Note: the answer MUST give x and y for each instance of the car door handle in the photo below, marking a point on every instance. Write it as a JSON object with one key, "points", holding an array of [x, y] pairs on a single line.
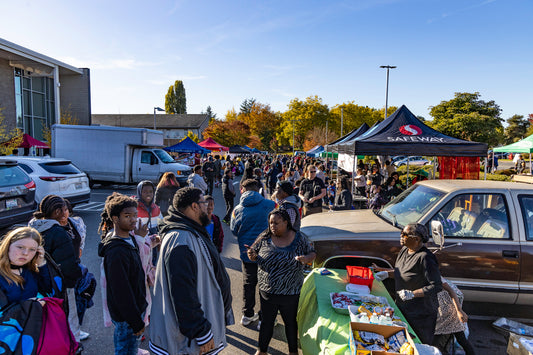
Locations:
{"points": [[510, 254]]}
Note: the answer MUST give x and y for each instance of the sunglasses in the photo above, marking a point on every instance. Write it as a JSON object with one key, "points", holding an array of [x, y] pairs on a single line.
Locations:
{"points": [[407, 235]]}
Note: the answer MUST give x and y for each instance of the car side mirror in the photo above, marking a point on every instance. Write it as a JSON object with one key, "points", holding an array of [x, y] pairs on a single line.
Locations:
{"points": [[437, 233]]}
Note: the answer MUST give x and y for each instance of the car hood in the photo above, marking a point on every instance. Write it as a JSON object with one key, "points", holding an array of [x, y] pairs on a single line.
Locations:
{"points": [[347, 225]]}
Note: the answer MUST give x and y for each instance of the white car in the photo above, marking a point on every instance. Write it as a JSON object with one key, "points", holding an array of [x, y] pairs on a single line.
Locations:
{"points": [[56, 176], [414, 160]]}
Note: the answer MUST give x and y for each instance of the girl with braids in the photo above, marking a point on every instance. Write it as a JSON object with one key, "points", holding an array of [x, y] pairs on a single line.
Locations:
{"points": [[281, 253], [126, 255], [23, 269], [59, 244]]}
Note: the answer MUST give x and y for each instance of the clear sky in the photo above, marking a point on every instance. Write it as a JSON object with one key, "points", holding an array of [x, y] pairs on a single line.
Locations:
{"points": [[226, 51]]}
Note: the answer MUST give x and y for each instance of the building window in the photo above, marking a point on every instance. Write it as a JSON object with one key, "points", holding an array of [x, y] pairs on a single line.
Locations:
{"points": [[34, 102]]}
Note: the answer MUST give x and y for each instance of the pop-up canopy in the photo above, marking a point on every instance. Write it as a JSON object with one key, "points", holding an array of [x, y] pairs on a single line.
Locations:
{"points": [[403, 133], [187, 145], [333, 146], [522, 146], [210, 144]]}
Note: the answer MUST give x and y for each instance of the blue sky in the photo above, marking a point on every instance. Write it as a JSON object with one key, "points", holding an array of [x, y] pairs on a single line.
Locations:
{"points": [[275, 51]]}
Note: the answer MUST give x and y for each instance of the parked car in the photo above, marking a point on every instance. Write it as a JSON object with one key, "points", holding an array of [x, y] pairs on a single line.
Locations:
{"points": [[397, 157], [414, 160], [56, 176], [17, 194], [487, 227]]}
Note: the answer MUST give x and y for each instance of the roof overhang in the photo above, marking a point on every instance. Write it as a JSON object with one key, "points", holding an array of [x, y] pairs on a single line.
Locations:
{"points": [[26, 59]]}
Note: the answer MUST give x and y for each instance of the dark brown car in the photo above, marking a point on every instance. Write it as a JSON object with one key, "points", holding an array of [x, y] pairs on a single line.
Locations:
{"points": [[487, 225]]}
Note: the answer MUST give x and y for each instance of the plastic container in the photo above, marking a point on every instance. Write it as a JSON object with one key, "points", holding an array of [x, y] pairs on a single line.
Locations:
{"points": [[374, 319], [360, 276]]}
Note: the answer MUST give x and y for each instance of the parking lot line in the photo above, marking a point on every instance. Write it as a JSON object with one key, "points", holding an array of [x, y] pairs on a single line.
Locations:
{"points": [[90, 207]]}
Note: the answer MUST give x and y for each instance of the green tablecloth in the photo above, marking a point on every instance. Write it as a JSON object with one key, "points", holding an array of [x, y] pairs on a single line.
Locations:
{"points": [[320, 328]]}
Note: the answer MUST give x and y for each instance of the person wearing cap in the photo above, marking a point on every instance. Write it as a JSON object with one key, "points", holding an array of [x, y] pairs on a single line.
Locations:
{"points": [[312, 189], [289, 201], [417, 281]]}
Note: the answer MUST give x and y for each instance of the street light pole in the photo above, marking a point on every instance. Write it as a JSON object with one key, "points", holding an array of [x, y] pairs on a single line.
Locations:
{"points": [[387, 90], [157, 109], [292, 121]]}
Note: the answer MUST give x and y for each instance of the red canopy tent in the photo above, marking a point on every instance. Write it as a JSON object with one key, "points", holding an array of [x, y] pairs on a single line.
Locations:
{"points": [[28, 142], [210, 144]]}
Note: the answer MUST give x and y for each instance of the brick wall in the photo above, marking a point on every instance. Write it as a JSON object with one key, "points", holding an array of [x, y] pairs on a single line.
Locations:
{"points": [[76, 96], [7, 94]]}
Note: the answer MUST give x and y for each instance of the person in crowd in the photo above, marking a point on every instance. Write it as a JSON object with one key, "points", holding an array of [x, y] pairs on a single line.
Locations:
{"points": [[249, 219], [343, 199], [218, 170], [281, 253], [376, 178], [196, 179], [289, 201], [312, 189], [360, 182], [272, 177], [23, 269], [320, 171], [125, 283], [214, 228], [389, 168], [64, 248], [209, 170], [248, 170], [451, 320], [331, 191], [520, 164], [164, 193], [228, 192], [258, 175], [192, 292], [417, 281], [390, 188]]}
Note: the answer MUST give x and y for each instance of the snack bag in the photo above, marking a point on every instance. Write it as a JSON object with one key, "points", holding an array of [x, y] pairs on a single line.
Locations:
{"points": [[396, 341], [407, 349]]}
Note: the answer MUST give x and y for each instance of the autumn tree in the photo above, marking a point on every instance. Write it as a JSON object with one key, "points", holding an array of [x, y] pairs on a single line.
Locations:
{"points": [[10, 138], [175, 100], [354, 116], [65, 117], [303, 116], [193, 136], [228, 133], [317, 136], [468, 117], [263, 123], [517, 129]]}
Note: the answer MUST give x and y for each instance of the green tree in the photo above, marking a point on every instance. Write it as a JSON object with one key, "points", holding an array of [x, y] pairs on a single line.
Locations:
{"points": [[246, 105], [175, 100], [209, 112], [517, 129], [263, 123], [354, 116], [468, 117], [303, 116]]}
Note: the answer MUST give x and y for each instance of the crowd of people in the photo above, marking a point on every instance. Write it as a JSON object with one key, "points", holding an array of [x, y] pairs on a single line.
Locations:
{"points": [[161, 263]]}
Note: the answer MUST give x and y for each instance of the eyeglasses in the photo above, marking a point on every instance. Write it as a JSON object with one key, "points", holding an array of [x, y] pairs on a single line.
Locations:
{"points": [[202, 202], [312, 171]]}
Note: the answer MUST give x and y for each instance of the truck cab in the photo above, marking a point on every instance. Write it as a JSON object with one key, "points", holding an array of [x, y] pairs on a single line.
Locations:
{"points": [[151, 164]]}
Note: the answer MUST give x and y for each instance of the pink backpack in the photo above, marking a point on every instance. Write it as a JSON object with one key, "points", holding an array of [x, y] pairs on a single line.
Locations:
{"points": [[56, 337]]}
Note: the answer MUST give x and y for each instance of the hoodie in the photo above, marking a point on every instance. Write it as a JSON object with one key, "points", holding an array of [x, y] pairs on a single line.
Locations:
{"points": [[58, 243], [126, 287], [249, 219], [148, 214]]}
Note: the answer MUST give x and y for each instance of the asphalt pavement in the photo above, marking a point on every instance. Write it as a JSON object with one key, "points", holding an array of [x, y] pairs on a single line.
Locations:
{"points": [[243, 340]]}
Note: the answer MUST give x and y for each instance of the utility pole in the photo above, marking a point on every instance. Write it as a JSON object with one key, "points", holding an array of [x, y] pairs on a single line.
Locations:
{"points": [[342, 119], [387, 90], [292, 121]]}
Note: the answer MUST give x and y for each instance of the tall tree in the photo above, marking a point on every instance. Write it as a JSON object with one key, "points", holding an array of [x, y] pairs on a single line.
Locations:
{"points": [[517, 128], [263, 123], [303, 116], [209, 112], [468, 117], [354, 116], [175, 100], [246, 105], [228, 133]]}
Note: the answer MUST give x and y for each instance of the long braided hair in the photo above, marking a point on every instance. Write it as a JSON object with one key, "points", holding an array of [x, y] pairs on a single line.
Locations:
{"points": [[114, 204], [49, 204]]}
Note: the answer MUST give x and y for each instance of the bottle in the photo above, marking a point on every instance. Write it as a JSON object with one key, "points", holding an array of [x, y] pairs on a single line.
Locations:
{"points": [[364, 318], [387, 320], [374, 319]]}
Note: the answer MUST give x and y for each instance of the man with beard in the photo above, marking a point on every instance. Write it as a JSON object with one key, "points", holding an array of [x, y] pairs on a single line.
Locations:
{"points": [[191, 304]]}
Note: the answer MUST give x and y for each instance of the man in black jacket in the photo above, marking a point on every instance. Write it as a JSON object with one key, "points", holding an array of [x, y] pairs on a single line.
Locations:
{"points": [[126, 283], [228, 191]]}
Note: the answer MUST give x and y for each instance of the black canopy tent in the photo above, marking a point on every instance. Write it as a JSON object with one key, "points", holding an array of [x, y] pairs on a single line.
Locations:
{"points": [[237, 149], [333, 146], [403, 133]]}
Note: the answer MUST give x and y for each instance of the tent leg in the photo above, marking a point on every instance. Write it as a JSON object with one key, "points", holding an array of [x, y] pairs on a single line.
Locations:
{"points": [[434, 167], [407, 180]]}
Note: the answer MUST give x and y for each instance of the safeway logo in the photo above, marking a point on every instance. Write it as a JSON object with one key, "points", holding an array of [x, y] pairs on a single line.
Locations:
{"points": [[410, 130]]}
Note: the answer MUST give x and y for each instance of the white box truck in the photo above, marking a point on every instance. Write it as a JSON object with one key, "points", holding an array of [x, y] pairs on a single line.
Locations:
{"points": [[120, 155]]}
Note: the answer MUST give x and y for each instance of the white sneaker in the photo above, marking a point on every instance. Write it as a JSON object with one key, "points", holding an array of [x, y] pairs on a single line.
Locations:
{"points": [[247, 320], [83, 335]]}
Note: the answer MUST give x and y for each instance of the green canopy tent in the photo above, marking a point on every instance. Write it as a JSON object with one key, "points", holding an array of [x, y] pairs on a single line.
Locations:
{"points": [[522, 146]]}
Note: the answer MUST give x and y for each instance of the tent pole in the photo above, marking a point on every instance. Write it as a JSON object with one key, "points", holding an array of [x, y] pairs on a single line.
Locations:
{"points": [[407, 180], [485, 169], [353, 171], [529, 163], [434, 167]]}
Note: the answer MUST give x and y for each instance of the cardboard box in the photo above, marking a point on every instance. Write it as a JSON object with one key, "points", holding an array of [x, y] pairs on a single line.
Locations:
{"points": [[385, 330], [517, 347]]}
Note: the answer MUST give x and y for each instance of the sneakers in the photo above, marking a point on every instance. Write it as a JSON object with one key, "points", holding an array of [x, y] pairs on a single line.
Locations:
{"points": [[225, 221], [83, 335], [247, 320]]}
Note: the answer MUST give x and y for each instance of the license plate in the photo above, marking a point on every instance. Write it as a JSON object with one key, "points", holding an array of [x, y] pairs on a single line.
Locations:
{"points": [[78, 185], [12, 203]]}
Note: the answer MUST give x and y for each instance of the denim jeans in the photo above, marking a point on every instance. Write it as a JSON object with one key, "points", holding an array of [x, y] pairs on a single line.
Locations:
{"points": [[125, 342]]}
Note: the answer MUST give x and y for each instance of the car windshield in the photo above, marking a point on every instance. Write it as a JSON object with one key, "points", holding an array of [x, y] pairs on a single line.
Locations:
{"points": [[410, 205], [163, 156], [60, 167]]}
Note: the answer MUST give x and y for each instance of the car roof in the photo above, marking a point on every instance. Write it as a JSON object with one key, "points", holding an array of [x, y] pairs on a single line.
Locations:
{"points": [[455, 185], [8, 162], [40, 159]]}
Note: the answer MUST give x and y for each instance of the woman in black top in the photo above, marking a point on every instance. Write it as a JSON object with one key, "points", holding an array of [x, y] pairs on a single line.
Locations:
{"points": [[281, 254], [417, 280], [164, 193]]}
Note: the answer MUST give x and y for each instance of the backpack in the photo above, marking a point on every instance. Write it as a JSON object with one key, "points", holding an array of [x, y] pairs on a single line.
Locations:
{"points": [[56, 337], [20, 328]]}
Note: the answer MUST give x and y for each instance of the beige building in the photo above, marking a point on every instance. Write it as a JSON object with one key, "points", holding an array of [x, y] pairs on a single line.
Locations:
{"points": [[35, 89], [174, 127]]}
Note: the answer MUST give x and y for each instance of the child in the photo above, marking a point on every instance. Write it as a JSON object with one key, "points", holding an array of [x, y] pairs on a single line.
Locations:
{"points": [[331, 194], [125, 293], [148, 212], [214, 228]]}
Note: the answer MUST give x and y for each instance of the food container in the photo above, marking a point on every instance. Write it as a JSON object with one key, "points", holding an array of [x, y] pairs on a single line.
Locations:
{"points": [[341, 300], [360, 276]]}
